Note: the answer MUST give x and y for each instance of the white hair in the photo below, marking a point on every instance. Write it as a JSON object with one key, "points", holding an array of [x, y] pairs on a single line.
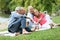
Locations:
{"points": [[17, 8], [29, 7]]}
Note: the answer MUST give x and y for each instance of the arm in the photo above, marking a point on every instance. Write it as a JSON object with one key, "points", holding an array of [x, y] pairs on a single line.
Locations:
{"points": [[41, 17], [39, 20], [31, 19]]}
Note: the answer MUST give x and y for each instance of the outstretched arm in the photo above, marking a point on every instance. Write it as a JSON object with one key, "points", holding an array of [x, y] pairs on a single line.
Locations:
{"points": [[31, 19]]}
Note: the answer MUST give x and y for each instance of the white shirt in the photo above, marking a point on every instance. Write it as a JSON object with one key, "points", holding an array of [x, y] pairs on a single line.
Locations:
{"points": [[28, 20], [13, 16], [48, 18]]}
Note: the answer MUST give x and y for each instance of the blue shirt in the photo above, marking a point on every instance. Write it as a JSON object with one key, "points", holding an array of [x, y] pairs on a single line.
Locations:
{"points": [[13, 17]]}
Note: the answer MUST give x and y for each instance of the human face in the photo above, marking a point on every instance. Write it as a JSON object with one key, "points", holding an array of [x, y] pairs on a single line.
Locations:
{"points": [[36, 13], [22, 11], [31, 10]]}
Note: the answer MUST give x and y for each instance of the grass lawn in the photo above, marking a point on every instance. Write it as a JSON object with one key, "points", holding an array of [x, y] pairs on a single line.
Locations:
{"points": [[4, 15], [51, 34], [56, 19]]}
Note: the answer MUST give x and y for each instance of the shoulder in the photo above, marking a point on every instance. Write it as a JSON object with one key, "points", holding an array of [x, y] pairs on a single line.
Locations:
{"points": [[29, 14], [42, 14], [13, 13]]}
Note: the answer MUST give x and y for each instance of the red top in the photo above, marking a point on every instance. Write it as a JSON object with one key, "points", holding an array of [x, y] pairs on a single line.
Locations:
{"points": [[42, 21]]}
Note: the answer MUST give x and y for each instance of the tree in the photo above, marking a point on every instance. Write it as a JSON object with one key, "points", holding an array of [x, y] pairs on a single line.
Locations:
{"points": [[41, 5], [4, 6]]}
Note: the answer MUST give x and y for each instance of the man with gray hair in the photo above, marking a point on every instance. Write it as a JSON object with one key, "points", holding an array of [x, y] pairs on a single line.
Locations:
{"points": [[17, 21], [30, 14]]}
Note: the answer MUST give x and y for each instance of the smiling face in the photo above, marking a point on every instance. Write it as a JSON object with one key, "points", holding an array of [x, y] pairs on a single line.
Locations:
{"points": [[36, 13], [21, 10], [30, 9]]}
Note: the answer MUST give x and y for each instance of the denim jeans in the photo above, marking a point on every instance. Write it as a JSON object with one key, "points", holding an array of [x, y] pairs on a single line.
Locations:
{"points": [[17, 25]]}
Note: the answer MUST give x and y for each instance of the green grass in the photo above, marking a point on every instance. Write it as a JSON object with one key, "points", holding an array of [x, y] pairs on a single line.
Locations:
{"points": [[4, 15], [51, 34], [56, 19], [3, 29]]}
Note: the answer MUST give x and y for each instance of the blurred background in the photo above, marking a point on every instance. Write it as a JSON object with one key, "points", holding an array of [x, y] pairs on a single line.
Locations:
{"points": [[6, 6]]}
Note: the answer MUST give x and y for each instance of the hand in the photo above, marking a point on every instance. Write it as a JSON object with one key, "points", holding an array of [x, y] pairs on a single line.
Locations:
{"points": [[27, 17], [37, 23], [30, 19], [34, 22]]}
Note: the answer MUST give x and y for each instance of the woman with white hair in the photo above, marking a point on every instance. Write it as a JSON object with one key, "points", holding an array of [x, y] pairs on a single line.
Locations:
{"points": [[17, 21]]}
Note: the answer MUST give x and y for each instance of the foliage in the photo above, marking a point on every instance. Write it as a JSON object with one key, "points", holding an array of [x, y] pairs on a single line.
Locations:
{"points": [[41, 5]]}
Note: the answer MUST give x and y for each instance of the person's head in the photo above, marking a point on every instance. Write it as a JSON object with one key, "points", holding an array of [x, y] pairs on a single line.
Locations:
{"points": [[36, 13], [30, 9], [20, 10]]}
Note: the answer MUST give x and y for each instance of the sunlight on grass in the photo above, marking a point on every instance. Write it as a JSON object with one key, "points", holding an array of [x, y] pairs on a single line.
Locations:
{"points": [[56, 19], [51, 34]]}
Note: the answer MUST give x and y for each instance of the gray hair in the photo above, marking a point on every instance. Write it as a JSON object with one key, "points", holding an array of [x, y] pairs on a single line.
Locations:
{"points": [[29, 7], [17, 8]]}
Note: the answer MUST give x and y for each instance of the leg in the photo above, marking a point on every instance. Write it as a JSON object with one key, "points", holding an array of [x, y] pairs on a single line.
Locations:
{"points": [[23, 25], [15, 26], [58, 25], [29, 28]]}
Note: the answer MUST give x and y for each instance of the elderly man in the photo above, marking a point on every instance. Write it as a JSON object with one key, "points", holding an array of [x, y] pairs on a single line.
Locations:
{"points": [[18, 21], [30, 21]]}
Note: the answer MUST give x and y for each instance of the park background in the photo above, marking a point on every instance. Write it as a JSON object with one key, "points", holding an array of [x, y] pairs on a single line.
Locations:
{"points": [[51, 6]]}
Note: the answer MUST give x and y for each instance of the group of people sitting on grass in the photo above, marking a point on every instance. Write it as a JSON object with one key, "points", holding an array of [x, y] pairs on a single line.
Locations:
{"points": [[22, 22]]}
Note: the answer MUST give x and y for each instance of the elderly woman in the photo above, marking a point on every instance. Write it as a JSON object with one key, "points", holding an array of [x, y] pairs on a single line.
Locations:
{"points": [[17, 21]]}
